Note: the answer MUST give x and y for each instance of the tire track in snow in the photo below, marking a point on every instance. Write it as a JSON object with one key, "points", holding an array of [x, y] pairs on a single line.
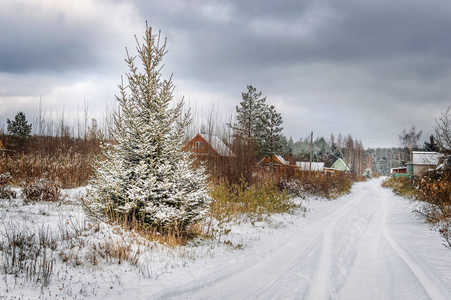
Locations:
{"points": [[337, 256], [429, 285], [394, 268], [361, 277]]}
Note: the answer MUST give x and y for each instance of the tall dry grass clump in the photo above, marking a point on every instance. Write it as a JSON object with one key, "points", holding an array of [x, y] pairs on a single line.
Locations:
{"points": [[321, 184], [70, 169], [232, 201], [67, 161]]}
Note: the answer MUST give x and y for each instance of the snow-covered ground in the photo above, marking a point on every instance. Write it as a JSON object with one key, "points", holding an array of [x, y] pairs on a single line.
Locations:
{"points": [[366, 245]]}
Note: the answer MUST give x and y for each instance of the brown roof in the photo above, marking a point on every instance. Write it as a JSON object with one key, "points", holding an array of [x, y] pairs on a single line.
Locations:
{"points": [[215, 145]]}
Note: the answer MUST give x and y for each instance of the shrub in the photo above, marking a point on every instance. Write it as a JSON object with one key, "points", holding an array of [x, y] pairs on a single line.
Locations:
{"points": [[5, 189], [233, 201], [42, 190], [402, 186], [327, 185]]}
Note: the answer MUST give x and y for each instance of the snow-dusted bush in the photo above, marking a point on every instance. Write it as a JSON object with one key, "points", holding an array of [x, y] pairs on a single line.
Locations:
{"points": [[145, 176], [320, 184], [293, 187], [5, 189], [43, 189]]}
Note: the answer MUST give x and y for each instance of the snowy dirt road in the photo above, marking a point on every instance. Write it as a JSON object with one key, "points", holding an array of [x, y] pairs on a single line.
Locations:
{"points": [[366, 245]]}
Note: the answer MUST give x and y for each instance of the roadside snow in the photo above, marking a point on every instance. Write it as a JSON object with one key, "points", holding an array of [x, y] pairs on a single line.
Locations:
{"points": [[366, 245]]}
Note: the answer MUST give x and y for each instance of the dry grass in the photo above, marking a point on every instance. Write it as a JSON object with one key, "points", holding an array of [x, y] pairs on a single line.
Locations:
{"points": [[63, 159], [402, 186], [71, 169], [326, 185], [231, 201], [28, 253], [171, 237]]}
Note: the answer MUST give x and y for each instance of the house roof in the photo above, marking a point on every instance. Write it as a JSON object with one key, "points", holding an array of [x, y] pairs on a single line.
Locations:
{"points": [[338, 161], [426, 158], [282, 160], [274, 159], [305, 165], [217, 144]]}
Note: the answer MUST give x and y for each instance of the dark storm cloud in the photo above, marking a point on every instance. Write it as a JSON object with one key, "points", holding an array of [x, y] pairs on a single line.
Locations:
{"points": [[50, 38]]}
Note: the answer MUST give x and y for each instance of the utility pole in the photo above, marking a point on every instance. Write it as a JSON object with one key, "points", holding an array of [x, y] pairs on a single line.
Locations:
{"points": [[311, 149]]}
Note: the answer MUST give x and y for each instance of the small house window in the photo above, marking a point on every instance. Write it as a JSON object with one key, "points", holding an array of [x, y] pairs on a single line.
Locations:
{"points": [[198, 145]]}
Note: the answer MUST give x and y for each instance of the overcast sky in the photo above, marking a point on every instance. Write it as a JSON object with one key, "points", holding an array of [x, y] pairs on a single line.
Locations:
{"points": [[365, 68]]}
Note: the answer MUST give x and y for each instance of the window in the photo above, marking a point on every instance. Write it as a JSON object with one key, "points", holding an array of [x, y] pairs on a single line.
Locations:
{"points": [[198, 145]]}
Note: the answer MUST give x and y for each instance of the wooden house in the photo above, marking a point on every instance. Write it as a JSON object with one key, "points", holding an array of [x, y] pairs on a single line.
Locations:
{"points": [[276, 163], [338, 165], [204, 145], [424, 161], [273, 160]]}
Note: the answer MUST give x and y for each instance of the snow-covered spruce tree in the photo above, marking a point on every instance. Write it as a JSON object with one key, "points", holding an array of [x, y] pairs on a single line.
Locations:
{"points": [[144, 175]]}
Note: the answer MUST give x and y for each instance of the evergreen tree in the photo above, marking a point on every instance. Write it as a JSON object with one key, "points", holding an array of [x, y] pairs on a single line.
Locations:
{"points": [[269, 133], [287, 146], [249, 115], [145, 176], [431, 146], [19, 127]]}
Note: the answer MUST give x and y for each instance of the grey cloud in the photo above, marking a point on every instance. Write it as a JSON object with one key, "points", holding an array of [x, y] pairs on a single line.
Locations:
{"points": [[50, 42], [354, 32]]}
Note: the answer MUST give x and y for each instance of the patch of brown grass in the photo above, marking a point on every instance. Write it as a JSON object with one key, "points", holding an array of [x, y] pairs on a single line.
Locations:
{"points": [[232, 200], [71, 169]]}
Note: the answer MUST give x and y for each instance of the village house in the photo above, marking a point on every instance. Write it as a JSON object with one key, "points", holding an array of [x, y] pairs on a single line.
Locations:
{"points": [[423, 162], [275, 162], [278, 162], [338, 165], [204, 145], [399, 170]]}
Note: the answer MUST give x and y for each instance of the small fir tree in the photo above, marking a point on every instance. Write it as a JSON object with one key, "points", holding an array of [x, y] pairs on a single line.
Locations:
{"points": [[19, 127], [145, 176]]}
